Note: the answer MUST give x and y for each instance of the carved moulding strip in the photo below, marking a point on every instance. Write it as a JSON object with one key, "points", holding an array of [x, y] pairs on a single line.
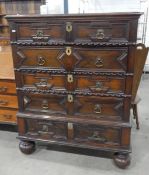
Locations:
{"points": [[64, 92], [63, 43], [60, 71]]}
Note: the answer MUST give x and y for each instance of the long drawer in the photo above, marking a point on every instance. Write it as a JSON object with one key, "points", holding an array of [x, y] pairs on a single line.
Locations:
{"points": [[98, 84], [8, 101], [69, 58], [92, 29], [83, 107], [74, 133], [8, 116]]}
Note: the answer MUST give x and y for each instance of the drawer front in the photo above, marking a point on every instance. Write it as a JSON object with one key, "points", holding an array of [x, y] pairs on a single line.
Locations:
{"points": [[8, 101], [46, 130], [98, 107], [98, 31], [101, 84], [70, 58], [102, 59], [94, 135], [43, 81], [40, 32], [8, 116], [49, 104], [37, 57], [7, 87]]}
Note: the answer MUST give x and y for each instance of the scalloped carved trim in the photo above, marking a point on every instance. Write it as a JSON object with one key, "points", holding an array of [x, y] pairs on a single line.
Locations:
{"points": [[51, 71], [81, 43], [64, 92]]}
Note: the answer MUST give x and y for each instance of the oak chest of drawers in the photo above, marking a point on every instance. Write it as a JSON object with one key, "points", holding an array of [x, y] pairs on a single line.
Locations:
{"points": [[74, 78]]}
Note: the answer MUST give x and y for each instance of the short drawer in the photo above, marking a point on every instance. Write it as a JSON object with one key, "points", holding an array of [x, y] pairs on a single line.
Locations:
{"points": [[100, 84], [44, 129], [37, 57], [101, 31], [43, 81], [7, 87], [40, 31], [96, 135], [8, 101], [49, 104], [103, 108], [102, 59], [8, 116]]}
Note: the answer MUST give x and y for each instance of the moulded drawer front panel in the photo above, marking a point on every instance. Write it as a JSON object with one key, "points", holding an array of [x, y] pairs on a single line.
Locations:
{"points": [[95, 135], [49, 104], [106, 108], [101, 84], [102, 59], [46, 130], [43, 31], [44, 81], [101, 31]]}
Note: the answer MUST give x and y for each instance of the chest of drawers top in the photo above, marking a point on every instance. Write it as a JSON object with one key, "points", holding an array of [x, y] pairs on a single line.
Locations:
{"points": [[87, 29]]}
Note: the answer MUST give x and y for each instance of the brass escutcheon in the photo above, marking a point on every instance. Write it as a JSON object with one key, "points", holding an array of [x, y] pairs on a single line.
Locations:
{"points": [[70, 98], [68, 26], [70, 78], [70, 126], [68, 51]]}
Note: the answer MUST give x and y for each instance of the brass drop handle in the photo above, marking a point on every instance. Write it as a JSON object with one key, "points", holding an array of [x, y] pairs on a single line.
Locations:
{"points": [[44, 129], [97, 137], [45, 105], [42, 83], [41, 61], [100, 34], [97, 109], [39, 33], [3, 102], [70, 78], [7, 116], [3, 89], [99, 62], [68, 26]]}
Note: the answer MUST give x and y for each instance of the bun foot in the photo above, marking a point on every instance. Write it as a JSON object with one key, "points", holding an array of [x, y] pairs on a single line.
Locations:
{"points": [[27, 147], [122, 160]]}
